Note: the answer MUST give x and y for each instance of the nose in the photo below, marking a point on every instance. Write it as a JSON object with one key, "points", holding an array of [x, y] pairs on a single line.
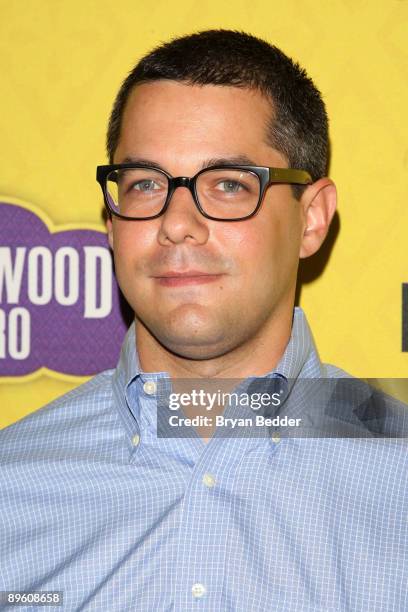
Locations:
{"points": [[182, 221]]}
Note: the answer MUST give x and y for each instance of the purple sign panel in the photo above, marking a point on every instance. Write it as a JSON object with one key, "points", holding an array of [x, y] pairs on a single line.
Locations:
{"points": [[60, 306]]}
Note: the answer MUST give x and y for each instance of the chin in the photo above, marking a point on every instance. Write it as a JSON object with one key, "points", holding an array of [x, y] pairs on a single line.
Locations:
{"points": [[192, 331], [203, 341], [189, 321], [194, 353], [192, 345]]}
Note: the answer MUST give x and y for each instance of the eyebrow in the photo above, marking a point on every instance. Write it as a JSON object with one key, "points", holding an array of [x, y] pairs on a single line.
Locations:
{"points": [[236, 160]]}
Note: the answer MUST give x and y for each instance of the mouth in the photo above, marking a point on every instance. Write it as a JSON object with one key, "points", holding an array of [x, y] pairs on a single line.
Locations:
{"points": [[189, 277]]}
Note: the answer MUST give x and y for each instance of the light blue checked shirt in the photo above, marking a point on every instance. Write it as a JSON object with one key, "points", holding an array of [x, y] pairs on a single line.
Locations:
{"points": [[94, 504]]}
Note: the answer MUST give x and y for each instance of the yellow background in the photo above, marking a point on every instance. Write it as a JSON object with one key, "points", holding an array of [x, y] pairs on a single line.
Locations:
{"points": [[62, 63]]}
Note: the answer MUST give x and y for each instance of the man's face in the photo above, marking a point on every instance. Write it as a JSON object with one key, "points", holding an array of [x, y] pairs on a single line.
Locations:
{"points": [[250, 265]]}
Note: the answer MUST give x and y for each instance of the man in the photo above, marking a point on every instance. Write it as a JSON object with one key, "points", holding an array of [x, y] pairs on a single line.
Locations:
{"points": [[216, 187]]}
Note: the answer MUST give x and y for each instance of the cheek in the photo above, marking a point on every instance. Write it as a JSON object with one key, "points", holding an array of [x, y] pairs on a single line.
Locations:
{"points": [[253, 263], [258, 248], [130, 243], [268, 254], [130, 248]]}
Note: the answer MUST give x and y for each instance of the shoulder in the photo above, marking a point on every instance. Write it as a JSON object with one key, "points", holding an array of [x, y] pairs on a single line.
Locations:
{"points": [[360, 408], [331, 371], [61, 422]]}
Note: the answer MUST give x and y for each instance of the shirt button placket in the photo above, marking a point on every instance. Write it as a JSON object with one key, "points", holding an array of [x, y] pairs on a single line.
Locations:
{"points": [[201, 571]]}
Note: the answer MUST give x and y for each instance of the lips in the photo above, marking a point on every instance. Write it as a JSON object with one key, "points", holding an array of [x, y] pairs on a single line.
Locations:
{"points": [[174, 278], [178, 274]]}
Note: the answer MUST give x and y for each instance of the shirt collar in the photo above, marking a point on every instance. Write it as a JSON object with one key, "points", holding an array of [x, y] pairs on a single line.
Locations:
{"points": [[300, 359]]}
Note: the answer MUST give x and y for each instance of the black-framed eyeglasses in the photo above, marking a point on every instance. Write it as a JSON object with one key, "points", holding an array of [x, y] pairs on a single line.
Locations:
{"points": [[221, 193]]}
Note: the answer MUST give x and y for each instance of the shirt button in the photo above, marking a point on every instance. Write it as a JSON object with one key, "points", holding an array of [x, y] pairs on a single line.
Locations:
{"points": [[135, 439], [208, 480], [149, 387], [198, 589], [275, 437]]}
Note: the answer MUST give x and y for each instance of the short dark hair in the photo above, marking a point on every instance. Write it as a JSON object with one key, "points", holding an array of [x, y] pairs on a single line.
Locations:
{"points": [[299, 124]]}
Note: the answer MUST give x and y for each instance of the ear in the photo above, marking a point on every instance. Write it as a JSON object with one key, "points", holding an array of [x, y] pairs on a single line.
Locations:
{"points": [[319, 202], [109, 227]]}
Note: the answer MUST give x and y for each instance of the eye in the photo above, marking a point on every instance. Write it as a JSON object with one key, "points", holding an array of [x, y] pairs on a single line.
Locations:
{"points": [[145, 185], [230, 186]]}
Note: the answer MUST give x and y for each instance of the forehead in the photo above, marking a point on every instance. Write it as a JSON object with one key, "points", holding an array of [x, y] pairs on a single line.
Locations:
{"points": [[174, 119]]}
